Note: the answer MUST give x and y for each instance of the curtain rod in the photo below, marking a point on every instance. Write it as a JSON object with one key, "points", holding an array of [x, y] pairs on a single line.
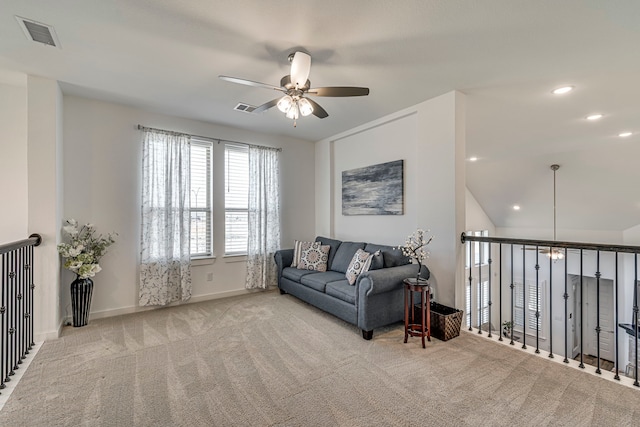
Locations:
{"points": [[140, 127]]}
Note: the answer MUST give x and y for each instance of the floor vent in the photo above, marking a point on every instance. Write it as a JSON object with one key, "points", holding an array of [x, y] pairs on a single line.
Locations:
{"points": [[39, 32], [245, 108]]}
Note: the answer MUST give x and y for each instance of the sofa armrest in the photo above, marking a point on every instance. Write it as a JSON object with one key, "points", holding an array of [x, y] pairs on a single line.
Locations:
{"points": [[283, 258], [384, 280]]}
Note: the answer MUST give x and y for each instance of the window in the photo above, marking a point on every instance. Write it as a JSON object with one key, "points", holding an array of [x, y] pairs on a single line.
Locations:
{"points": [[236, 200], [480, 250], [530, 311], [482, 305], [201, 198]]}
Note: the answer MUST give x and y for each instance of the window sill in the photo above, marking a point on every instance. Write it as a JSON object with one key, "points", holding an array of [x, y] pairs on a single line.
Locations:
{"points": [[235, 258], [203, 261], [530, 335]]}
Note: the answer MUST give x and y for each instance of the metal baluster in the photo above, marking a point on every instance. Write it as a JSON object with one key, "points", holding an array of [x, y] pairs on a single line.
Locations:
{"points": [[5, 275], [616, 376], [31, 288], [16, 309], [566, 308], [22, 311], [480, 302], [537, 301], [489, 303], [10, 310], [524, 302], [500, 293], [635, 316], [581, 319], [470, 286], [512, 289], [598, 329], [550, 298]]}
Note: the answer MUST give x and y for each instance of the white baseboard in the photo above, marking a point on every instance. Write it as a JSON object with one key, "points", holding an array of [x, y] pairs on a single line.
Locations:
{"points": [[49, 335], [137, 309]]}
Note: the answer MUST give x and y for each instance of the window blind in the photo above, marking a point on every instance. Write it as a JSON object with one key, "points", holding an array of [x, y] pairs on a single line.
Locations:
{"points": [[236, 198], [201, 216]]}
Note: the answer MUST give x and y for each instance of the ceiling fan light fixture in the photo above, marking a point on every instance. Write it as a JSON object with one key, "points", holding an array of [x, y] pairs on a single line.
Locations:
{"points": [[293, 112], [305, 107], [555, 254], [285, 104]]}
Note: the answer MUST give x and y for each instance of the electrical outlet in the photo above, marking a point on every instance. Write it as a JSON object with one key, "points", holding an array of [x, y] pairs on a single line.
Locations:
{"points": [[209, 277]]}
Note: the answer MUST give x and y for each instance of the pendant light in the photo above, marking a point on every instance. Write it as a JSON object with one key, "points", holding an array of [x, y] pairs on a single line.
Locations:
{"points": [[554, 253]]}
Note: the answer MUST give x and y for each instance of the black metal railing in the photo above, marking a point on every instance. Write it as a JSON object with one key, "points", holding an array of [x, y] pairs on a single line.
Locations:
{"points": [[565, 260], [16, 304]]}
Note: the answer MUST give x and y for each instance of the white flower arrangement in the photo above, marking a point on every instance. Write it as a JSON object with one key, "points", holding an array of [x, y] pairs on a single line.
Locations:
{"points": [[84, 250], [415, 247]]}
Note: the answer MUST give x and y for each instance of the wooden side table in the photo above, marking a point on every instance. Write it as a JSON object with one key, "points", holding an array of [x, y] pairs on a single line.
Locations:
{"points": [[411, 327]]}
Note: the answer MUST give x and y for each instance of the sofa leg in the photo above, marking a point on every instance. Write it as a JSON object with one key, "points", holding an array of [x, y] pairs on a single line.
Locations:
{"points": [[282, 291], [367, 335]]}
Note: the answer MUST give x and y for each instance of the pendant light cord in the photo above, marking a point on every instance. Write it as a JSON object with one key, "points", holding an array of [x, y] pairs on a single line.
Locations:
{"points": [[554, 168]]}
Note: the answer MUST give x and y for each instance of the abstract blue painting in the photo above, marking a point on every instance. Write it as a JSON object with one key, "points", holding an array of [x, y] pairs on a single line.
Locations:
{"points": [[374, 190]]}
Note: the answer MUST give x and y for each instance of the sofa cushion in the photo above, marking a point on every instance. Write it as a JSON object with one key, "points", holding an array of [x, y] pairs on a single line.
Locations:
{"points": [[359, 264], [318, 281], [295, 274], [395, 258], [315, 258], [344, 254], [334, 244], [377, 251], [298, 248], [342, 290]]}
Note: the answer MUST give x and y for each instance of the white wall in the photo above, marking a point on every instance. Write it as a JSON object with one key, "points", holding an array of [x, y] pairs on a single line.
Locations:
{"points": [[44, 157], [102, 175], [429, 137], [13, 162], [476, 219]]}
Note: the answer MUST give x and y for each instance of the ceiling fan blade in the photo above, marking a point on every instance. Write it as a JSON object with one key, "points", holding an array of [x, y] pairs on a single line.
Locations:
{"points": [[318, 111], [250, 83], [339, 91], [300, 68], [266, 106]]}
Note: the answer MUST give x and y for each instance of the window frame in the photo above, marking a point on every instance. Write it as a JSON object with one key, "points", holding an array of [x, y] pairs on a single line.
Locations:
{"points": [[208, 209], [237, 148]]}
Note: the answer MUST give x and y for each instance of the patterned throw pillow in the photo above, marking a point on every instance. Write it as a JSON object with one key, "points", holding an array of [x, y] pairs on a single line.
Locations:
{"points": [[298, 247], [315, 258], [359, 264]]}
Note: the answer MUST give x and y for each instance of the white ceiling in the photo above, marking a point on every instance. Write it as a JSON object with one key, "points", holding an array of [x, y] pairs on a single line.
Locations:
{"points": [[505, 55]]}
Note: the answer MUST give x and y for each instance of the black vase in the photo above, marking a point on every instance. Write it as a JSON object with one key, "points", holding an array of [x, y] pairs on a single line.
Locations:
{"points": [[81, 290]]}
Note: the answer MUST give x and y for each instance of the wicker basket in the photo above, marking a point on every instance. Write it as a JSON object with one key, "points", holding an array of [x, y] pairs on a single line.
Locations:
{"points": [[445, 321]]}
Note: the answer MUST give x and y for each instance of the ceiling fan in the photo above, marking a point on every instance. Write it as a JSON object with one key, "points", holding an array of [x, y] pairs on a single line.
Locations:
{"points": [[296, 88]]}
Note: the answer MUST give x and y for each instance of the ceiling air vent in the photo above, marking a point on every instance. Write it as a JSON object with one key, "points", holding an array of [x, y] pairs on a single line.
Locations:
{"points": [[39, 32], [245, 108]]}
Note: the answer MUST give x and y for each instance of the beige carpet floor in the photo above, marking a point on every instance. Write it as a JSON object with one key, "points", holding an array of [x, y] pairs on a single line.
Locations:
{"points": [[271, 360]]}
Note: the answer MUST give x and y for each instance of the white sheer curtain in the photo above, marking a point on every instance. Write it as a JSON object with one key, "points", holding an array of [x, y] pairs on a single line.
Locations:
{"points": [[264, 216], [165, 264]]}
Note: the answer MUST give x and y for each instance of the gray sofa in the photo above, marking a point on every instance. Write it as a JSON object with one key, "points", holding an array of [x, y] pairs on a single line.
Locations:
{"points": [[376, 299]]}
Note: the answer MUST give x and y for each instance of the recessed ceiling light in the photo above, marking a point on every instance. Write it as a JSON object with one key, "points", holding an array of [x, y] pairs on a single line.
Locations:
{"points": [[516, 207], [562, 90], [594, 116], [624, 134], [473, 159]]}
